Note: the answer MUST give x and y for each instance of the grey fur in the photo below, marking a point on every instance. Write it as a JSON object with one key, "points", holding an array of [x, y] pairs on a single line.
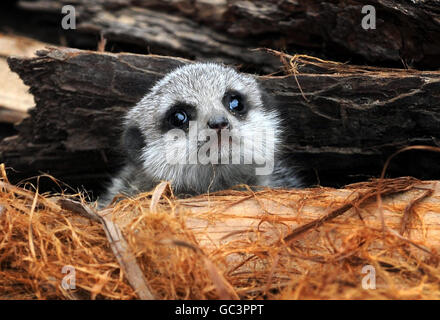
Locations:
{"points": [[202, 85]]}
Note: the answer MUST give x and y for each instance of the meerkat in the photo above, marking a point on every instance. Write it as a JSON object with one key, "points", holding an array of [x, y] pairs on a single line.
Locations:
{"points": [[197, 97]]}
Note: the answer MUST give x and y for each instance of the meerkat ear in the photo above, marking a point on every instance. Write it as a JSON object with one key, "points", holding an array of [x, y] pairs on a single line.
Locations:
{"points": [[269, 103], [133, 141]]}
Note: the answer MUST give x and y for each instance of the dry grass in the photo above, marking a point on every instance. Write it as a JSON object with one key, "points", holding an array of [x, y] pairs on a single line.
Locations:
{"points": [[234, 244]]}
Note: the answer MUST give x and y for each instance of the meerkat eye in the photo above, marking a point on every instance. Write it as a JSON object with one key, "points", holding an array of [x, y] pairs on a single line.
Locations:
{"points": [[234, 102], [178, 118]]}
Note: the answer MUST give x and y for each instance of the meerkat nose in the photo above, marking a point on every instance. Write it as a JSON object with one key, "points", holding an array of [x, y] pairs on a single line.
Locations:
{"points": [[218, 122]]}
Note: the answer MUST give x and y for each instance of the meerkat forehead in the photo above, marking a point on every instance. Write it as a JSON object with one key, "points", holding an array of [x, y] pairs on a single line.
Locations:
{"points": [[203, 84]]}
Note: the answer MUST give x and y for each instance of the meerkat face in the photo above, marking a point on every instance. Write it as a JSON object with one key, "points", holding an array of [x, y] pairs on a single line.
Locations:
{"points": [[198, 117]]}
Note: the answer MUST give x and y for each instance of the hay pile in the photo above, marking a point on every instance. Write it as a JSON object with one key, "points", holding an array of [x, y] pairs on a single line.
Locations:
{"points": [[267, 244]]}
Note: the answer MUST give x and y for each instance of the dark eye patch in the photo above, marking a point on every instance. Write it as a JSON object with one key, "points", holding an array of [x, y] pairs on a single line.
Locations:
{"points": [[235, 103], [178, 116]]}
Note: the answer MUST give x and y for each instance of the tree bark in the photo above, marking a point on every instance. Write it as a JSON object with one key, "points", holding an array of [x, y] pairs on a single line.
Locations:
{"points": [[405, 33], [342, 122]]}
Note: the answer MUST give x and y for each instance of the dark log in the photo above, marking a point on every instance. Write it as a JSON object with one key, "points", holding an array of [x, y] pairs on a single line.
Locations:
{"points": [[407, 32], [352, 120]]}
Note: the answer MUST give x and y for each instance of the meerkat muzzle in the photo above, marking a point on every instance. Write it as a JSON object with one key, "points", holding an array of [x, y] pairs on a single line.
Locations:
{"points": [[218, 123]]}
